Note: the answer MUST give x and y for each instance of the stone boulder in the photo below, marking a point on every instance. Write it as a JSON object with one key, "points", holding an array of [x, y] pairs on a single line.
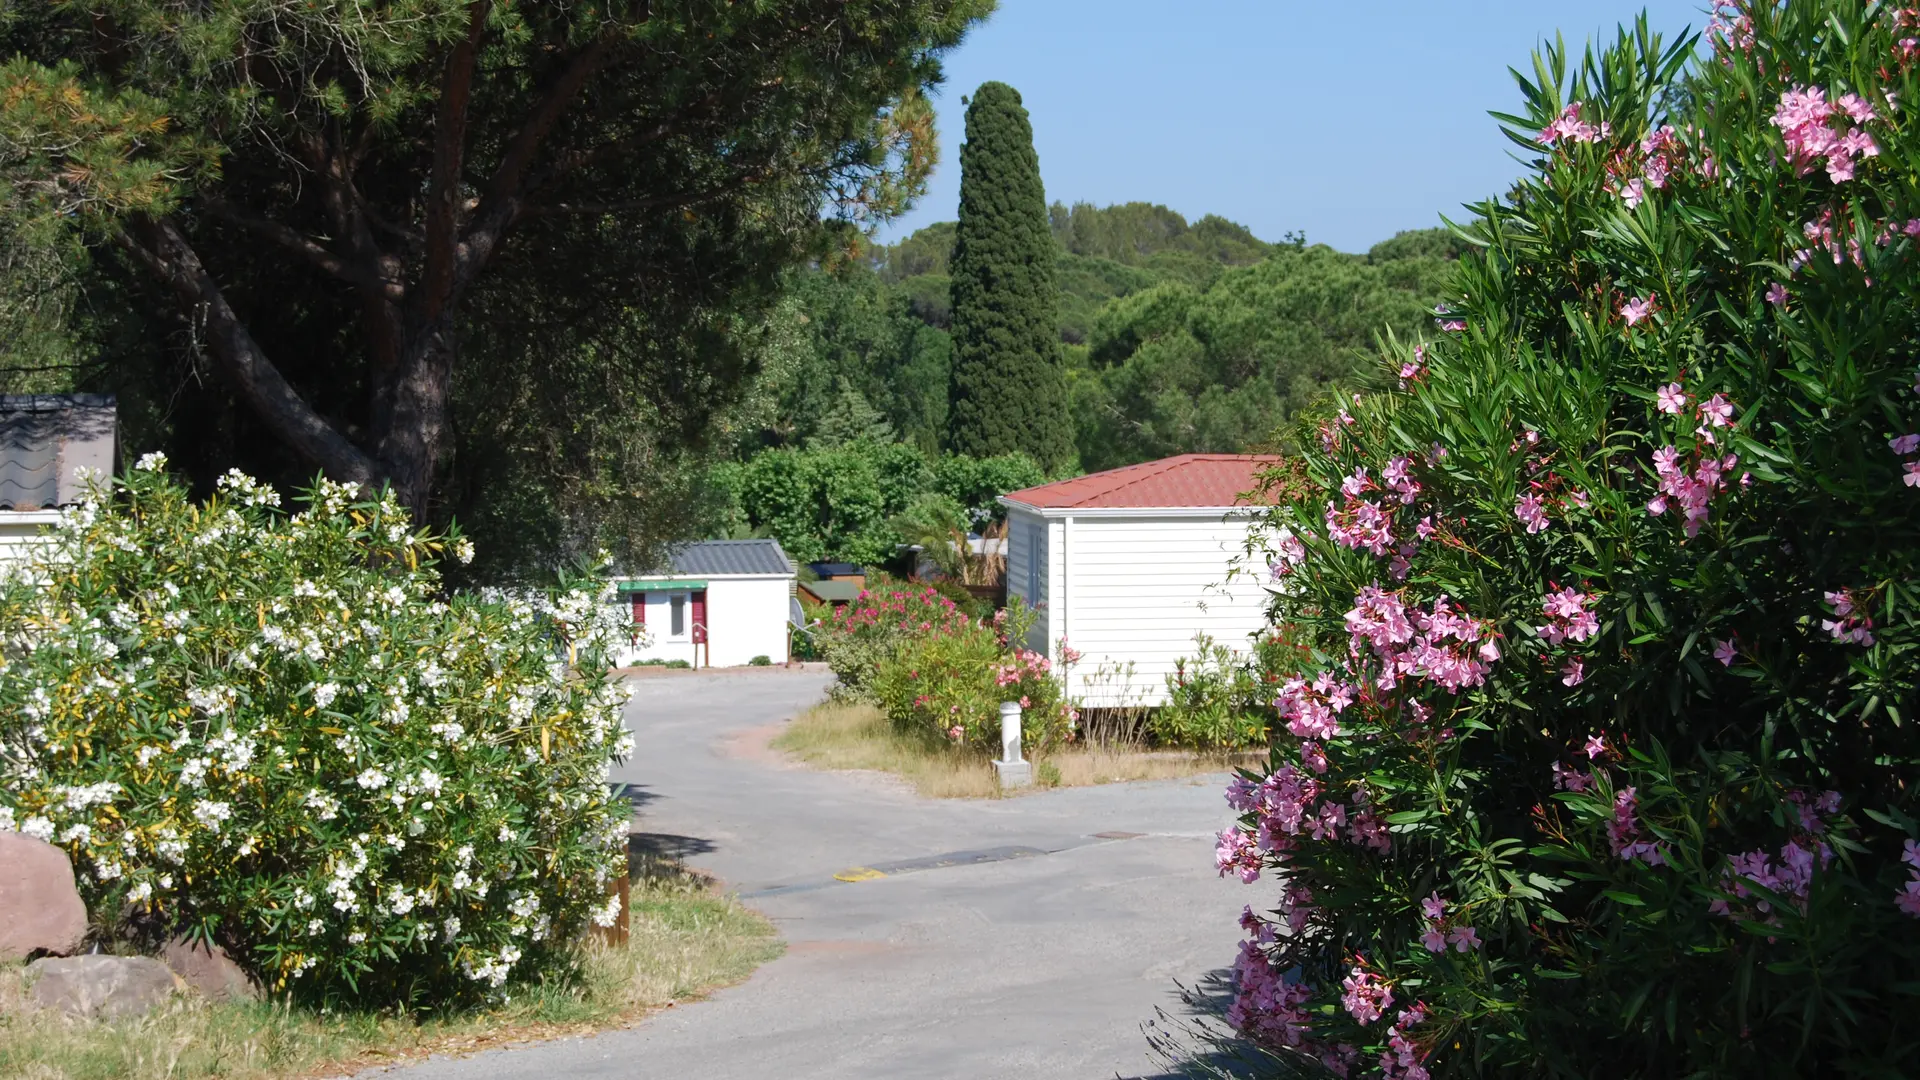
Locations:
{"points": [[40, 910], [101, 987], [212, 972]]}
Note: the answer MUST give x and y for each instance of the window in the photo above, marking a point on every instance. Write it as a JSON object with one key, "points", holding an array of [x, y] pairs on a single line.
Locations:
{"points": [[679, 617]]}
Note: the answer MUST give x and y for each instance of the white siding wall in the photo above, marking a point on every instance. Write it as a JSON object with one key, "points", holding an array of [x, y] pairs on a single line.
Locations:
{"points": [[746, 617], [1139, 589], [21, 531], [1029, 578]]}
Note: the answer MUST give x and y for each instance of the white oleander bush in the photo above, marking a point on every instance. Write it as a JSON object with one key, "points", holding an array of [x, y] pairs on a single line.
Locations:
{"points": [[279, 732]]}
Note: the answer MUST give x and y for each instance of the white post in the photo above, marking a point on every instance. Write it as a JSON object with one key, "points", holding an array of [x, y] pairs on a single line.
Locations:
{"points": [[1014, 771]]}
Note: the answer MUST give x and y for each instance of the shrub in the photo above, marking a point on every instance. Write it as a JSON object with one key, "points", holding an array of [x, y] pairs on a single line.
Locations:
{"points": [[1600, 759], [858, 636], [1216, 699], [762, 660], [947, 682], [274, 731]]}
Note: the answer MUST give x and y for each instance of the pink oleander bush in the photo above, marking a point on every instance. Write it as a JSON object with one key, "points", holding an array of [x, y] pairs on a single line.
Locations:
{"points": [[1601, 757], [940, 674]]}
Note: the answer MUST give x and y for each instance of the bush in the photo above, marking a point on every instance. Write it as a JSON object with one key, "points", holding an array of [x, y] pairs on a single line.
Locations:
{"points": [[274, 731], [1600, 759], [1215, 700], [947, 682], [857, 637], [762, 660]]}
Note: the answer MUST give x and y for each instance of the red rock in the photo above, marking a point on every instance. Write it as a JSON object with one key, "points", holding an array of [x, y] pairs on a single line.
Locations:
{"points": [[41, 912], [213, 973]]}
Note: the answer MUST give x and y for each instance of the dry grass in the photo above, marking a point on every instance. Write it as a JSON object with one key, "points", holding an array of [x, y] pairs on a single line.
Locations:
{"points": [[684, 941], [840, 736]]}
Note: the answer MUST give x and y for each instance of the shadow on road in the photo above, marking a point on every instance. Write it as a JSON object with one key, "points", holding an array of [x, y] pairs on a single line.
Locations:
{"points": [[667, 847]]}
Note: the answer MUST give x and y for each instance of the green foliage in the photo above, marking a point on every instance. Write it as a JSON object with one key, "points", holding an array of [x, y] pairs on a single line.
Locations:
{"points": [[940, 674], [1008, 393], [519, 259], [1176, 369], [761, 661], [1216, 699], [857, 502], [279, 733], [1627, 684]]}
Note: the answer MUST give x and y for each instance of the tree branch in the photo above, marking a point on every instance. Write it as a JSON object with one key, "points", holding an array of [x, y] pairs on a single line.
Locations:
{"points": [[449, 157], [506, 189], [164, 250], [314, 252]]}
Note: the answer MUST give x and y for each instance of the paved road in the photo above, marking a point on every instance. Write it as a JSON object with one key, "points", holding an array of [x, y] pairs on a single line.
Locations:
{"points": [[1041, 961]]}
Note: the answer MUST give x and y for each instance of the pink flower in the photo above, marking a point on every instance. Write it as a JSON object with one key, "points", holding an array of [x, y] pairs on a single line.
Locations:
{"points": [[1638, 308], [1910, 854], [1718, 411], [1905, 444], [1434, 909], [1856, 107], [1671, 399], [1531, 512], [1595, 747], [1313, 757], [1634, 193], [1912, 479], [1723, 651], [1657, 505], [1237, 852], [1575, 672], [1908, 899], [1568, 778], [1777, 294], [1453, 325], [1367, 996], [1434, 939], [1463, 939]]}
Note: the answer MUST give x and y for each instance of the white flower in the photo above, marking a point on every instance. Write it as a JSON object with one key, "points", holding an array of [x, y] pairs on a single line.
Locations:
{"points": [[324, 694], [314, 926], [140, 892], [80, 798], [401, 903], [211, 814], [356, 938], [371, 779], [506, 834], [194, 772], [608, 913], [325, 807], [39, 828], [463, 550], [450, 927], [151, 462], [79, 831], [6, 819]]}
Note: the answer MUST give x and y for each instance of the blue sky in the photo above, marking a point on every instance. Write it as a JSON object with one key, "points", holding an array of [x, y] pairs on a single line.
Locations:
{"points": [[1350, 121]]}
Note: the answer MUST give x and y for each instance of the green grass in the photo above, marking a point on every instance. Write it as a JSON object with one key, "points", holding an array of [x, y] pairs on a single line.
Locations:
{"points": [[684, 941], [841, 736]]}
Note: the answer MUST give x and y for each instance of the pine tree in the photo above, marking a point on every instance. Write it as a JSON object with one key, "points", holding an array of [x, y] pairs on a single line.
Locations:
{"points": [[1008, 392]]}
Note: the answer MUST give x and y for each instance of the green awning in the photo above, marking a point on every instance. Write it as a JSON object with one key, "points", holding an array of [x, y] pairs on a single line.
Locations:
{"points": [[675, 585]]}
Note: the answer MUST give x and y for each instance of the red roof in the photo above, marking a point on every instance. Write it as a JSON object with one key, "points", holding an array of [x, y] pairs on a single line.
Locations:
{"points": [[1185, 480]]}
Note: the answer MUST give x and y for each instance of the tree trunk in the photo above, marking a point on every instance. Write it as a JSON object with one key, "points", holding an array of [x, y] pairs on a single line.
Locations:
{"points": [[411, 424]]}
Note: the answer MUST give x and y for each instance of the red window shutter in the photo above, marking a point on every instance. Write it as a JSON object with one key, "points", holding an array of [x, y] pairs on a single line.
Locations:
{"points": [[639, 601], [699, 616]]}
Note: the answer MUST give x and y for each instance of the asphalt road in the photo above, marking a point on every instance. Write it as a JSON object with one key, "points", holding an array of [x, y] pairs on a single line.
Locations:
{"points": [[1006, 938]]}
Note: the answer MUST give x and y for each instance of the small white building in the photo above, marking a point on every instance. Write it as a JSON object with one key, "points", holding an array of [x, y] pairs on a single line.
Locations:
{"points": [[1128, 566], [718, 603], [46, 441]]}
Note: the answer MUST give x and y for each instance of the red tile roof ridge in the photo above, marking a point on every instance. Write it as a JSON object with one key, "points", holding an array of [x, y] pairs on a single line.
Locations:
{"points": [[1109, 487]]}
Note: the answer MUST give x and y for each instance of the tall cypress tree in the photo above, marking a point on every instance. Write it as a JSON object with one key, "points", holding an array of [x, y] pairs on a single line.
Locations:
{"points": [[1008, 392]]}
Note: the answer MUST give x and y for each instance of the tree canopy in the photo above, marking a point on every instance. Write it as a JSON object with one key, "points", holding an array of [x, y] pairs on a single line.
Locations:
{"points": [[456, 244], [1008, 394]]}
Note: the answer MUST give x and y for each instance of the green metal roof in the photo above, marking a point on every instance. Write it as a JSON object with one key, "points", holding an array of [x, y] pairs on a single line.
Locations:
{"points": [[673, 585]]}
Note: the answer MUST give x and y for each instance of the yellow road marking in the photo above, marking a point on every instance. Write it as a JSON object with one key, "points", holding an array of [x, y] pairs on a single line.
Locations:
{"points": [[858, 873]]}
